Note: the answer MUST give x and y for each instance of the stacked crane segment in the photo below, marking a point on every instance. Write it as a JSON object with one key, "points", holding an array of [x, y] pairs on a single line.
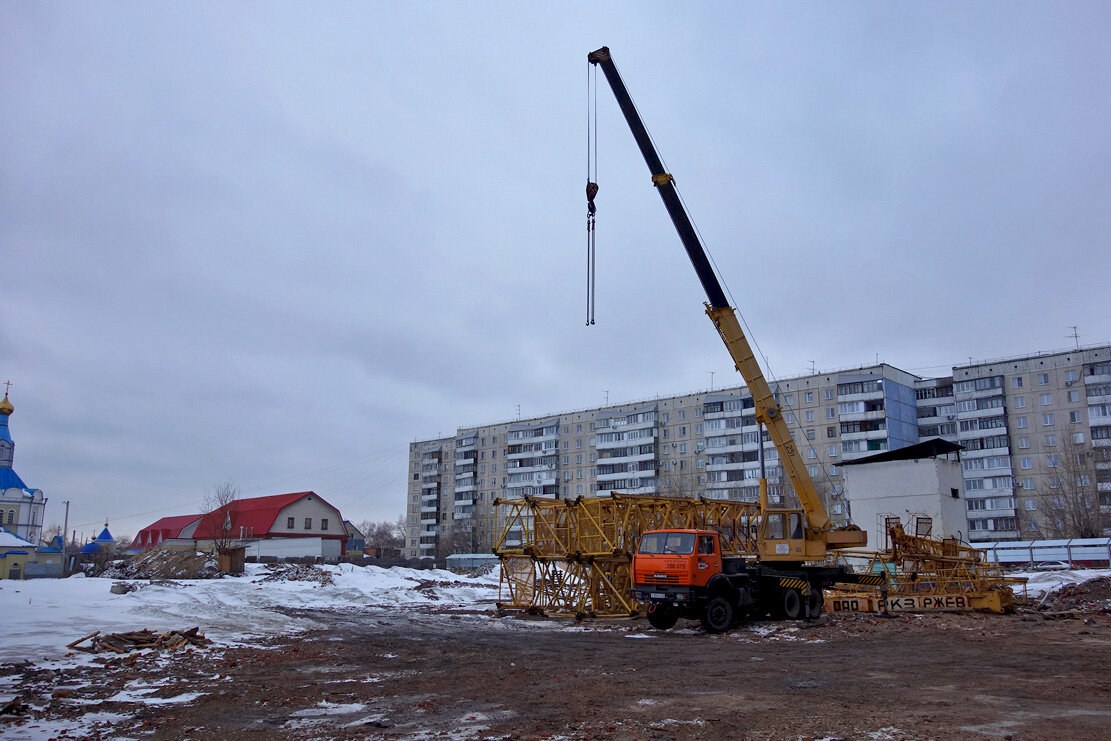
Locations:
{"points": [[926, 573], [573, 556]]}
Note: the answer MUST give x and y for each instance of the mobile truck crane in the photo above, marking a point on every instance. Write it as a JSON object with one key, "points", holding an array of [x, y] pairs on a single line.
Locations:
{"points": [[683, 573]]}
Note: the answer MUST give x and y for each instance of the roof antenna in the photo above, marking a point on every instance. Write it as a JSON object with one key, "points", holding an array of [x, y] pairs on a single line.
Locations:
{"points": [[1075, 336]]}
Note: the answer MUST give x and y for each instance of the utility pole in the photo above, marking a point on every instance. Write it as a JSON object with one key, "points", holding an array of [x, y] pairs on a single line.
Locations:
{"points": [[711, 379], [65, 529]]}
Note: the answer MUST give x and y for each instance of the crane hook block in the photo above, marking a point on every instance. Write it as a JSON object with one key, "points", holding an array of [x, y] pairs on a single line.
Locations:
{"points": [[591, 191], [662, 179]]}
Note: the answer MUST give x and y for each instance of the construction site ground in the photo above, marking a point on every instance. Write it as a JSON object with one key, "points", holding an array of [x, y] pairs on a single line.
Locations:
{"points": [[434, 673]]}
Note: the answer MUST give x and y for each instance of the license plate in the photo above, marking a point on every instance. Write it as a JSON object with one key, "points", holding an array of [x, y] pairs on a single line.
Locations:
{"points": [[656, 595]]}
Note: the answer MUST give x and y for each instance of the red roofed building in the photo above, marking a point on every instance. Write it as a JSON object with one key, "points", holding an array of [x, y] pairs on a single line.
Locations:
{"points": [[303, 515], [168, 528]]}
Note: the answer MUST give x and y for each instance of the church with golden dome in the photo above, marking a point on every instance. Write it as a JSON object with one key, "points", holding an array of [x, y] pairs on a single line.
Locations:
{"points": [[22, 508]]}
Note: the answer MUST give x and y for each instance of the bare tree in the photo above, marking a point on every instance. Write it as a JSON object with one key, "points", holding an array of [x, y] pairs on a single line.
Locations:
{"points": [[384, 534], [123, 543], [1067, 501], [51, 531], [474, 535], [218, 519]]}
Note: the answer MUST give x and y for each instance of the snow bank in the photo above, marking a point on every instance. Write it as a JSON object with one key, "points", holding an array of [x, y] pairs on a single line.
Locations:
{"points": [[1041, 582], [43, 615]]}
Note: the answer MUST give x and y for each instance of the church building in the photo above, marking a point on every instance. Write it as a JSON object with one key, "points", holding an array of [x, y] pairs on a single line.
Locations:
{"points": [[21, 508]]}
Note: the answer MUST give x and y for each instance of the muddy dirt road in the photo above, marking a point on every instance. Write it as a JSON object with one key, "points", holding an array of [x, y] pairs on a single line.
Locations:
{"points": [[473, 676]]}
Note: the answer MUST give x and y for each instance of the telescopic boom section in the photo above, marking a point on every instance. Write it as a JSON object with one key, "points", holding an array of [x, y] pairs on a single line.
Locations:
{"points": [[718, 308]]}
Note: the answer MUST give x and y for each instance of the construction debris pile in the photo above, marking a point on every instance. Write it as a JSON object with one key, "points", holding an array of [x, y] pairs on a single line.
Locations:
{"points": [[297, 572], [1085, 598], [123, 643], [166, 563]]}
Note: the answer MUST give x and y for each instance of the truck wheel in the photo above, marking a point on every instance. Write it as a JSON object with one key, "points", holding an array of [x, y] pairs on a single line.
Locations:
{"points": [[814, 604], [662, 617], [792, 604], [717, 616]]}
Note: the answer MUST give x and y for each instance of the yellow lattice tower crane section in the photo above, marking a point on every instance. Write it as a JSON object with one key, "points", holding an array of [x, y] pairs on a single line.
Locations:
{"points": [[573, 556]]}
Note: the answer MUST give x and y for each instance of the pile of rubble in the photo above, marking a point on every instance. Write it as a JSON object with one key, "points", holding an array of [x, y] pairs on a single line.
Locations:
{"points": [[1087, 597], [297, 572], [123, 643], [164, 563]]}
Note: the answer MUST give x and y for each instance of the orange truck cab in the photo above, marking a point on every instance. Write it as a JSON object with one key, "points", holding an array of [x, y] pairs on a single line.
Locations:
{"points": [[683, 573]]}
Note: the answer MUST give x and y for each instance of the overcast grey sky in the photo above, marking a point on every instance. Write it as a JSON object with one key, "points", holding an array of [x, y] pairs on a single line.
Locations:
{"points": [[274, 243]]}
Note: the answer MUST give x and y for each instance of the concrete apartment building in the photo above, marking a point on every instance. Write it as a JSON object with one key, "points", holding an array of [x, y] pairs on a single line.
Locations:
{"points": [[1036, 432]]}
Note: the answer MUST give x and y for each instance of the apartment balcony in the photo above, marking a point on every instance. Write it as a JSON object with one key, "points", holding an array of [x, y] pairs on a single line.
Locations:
{"points": [[539, 467], [866, 396], [625, 443], [981, 413], [876, 414], [986, 453], [734, 466], [429, 520], [626, 459], [468, 487], [624, 427], [1101, 378], [1103, 486], [462, 516], [850, 436]]}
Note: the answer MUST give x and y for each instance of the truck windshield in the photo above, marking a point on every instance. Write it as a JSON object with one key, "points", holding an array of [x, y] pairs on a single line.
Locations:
{"points": [[654, 543]]}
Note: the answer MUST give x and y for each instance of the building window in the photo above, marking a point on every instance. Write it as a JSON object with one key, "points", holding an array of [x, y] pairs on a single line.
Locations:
{"points": [[1047, 419], [831, 413], [1078, 437], [308, 523], [1025, 464], [810, 434], [1070, 376], [809, 396], [682, 414], [831, 432], [1043, 379], [1050, 440], [1052, 461], [1016, 382], [289, 520], [1074, 396], [810, 415], [1024, 443], [324, 523], [1046, 399], [682, 431], [833, 451], [1020, 402], [1020, 423], [811, 453]]}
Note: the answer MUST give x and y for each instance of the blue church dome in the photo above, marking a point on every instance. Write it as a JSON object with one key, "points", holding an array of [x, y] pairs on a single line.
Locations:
{"points": [[91, 549], [105, 536]]}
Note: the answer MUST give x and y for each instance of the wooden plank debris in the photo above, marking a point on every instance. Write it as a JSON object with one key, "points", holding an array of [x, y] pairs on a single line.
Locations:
{"points": [[124, 643]]}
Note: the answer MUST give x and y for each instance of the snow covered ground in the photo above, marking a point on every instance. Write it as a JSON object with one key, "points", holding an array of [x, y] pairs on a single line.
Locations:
{"points": [[1041, 582], [43, 615]]}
